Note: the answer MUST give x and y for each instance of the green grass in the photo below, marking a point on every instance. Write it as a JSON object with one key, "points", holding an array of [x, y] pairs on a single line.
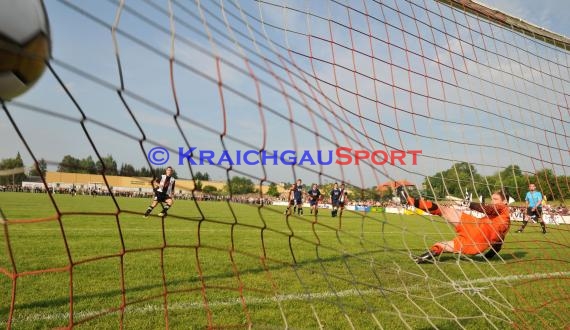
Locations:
{"points": [[229, 265]]}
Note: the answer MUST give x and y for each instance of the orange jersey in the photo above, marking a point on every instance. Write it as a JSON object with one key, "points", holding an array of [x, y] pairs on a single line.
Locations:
{"points": [[475, 235], [424, 205]]}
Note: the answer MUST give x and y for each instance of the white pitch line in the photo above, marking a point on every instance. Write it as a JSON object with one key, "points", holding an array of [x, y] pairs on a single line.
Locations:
{"points": [[509, 278], [457, 285]]}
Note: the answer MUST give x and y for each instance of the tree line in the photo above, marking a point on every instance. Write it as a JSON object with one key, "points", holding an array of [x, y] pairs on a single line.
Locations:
{"points": [[86, 165], [106, 165], [463, 177], [460, 178]]}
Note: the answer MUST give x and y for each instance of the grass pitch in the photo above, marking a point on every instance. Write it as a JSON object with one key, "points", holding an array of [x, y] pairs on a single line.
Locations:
{"points": [[96, 263]]}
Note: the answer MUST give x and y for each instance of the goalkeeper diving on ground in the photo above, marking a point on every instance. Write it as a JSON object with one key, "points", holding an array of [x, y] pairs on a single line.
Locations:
{"points": [[474, 235]]}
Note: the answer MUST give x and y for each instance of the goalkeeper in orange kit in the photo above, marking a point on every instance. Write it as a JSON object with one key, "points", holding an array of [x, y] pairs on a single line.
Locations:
{"points": [[474, 235]]}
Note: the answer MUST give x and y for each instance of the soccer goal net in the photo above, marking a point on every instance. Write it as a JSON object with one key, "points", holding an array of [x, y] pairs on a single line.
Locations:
{"points": [[447, 101]]}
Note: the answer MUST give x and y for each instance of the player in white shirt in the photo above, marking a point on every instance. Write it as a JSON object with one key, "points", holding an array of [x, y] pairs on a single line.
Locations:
{"points": [[163, 193]]}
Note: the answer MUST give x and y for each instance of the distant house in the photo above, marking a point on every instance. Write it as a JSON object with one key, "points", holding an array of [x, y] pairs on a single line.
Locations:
{"points": [[383, 187]]}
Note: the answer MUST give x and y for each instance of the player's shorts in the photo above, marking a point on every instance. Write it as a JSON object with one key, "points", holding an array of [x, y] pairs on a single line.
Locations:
{"points": [[292, 202], [335, 202], [161, 197], [474, 235], [299, 201], [313, 202], [534, 214]]}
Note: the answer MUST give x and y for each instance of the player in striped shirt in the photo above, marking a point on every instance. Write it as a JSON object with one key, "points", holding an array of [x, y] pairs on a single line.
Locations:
{"points": [[335, 199], [163, 193], [342, 200], [290, 199]]}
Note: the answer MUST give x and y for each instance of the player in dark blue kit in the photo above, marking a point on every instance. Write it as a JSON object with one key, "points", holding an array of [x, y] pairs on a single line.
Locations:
{"points": [[299, 192], [314, 196], [335, 199]]}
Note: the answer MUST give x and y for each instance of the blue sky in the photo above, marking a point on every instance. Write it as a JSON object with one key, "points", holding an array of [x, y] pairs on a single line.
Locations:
{"points": [[320, 111], [549, 14]]}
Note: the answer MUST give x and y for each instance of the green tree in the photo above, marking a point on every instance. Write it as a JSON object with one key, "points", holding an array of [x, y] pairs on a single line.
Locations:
{"points": [[454, 181], [363, 194], [547, 183], [240, 185], [463, 176], [12, 164], [512, 180], [69, 164], [42, 164], [272, 191], [325, 189], [210, 190], [198, 185], [87, 165], [110, 166], [127, 170], [144, 172], [564, 186], [202, 176], [386, 194]]}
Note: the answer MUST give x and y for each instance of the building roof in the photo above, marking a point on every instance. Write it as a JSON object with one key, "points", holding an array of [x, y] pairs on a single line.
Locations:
{"points": [[394, 184]]}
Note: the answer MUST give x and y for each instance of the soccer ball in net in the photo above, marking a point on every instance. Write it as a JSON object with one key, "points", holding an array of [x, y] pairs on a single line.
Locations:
{"points": [[24, 45]]}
